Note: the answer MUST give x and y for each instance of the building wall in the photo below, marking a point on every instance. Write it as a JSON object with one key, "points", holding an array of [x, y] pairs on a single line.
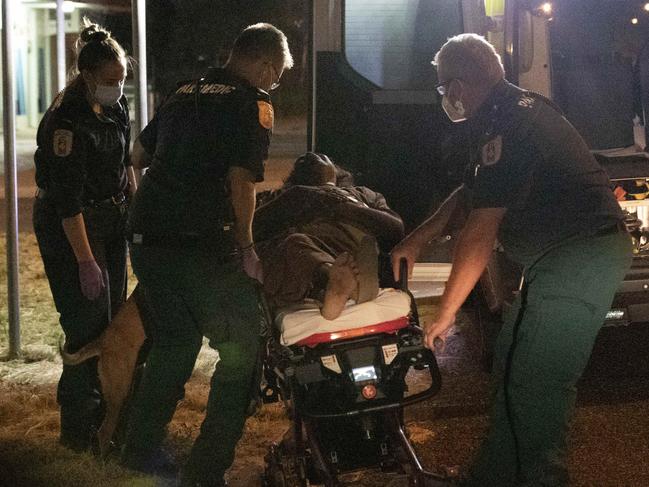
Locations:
{"points": [[34, 46]]}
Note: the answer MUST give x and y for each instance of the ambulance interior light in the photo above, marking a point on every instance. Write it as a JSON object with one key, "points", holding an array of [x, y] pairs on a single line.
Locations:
{"points": [[544, 10]]}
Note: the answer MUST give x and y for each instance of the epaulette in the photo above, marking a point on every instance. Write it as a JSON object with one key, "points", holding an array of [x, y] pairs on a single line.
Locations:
{"points": [[522, 113], [58, 100], [68, 101], [544, 99], [509, 112]]}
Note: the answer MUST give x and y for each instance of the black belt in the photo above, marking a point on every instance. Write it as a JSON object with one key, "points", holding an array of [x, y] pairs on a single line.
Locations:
{"points": [[618, 227], [116, 200]]}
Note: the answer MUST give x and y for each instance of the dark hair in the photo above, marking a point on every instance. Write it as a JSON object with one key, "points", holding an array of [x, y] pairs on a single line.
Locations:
{"points": [[97, 48], [308, 170], [262, 40]]}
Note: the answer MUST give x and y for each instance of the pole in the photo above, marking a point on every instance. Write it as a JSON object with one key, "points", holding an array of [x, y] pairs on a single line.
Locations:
{"points": [[60, 46], [138, 12], [9, 126], [312, 59]]}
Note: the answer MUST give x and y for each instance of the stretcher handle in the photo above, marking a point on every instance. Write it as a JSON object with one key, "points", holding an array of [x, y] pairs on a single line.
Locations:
{"points": [[435, 386], [403, 274]]}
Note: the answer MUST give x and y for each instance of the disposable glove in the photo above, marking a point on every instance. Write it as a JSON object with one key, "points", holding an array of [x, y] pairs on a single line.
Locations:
{"points": [[91, 279]]}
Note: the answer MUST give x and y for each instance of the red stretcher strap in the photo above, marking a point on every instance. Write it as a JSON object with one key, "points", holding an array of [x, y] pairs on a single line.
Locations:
{"points": [[383, 327]]}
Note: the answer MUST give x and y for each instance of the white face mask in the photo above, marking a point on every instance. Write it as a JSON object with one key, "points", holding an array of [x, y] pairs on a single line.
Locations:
{"points": [[108, 95], [454, 112]]}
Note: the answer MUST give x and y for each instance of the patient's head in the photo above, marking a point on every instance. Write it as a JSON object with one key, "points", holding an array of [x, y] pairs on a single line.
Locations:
{"points": [[312, 169]]}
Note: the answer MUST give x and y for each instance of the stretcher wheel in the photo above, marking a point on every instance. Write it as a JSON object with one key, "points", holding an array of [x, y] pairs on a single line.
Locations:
{"points": [[284, 469]]}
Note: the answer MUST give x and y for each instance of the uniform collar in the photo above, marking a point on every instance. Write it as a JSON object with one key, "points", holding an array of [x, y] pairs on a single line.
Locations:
{"points": [[223, 74], [74, 96], [496, 96]]}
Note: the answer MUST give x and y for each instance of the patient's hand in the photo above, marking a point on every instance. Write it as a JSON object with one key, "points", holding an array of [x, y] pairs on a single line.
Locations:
{"points": [[251, 264]]}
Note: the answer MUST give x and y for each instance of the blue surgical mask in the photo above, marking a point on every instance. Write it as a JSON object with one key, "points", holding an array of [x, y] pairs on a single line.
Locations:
{"points": [[107, 95]]}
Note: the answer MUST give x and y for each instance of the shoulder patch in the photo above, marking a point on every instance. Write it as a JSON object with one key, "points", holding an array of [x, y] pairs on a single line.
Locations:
{"points": [[492, 151], [62, 142], [266, 114], [526, 101]]}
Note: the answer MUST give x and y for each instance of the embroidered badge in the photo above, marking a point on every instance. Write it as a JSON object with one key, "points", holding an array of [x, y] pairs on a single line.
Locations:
{"points": [[62, 142], [492, 151], [266, 114], [526, 101]]}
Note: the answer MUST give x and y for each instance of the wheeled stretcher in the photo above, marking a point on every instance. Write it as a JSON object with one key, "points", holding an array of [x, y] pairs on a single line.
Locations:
{"points": [[344, 384]]}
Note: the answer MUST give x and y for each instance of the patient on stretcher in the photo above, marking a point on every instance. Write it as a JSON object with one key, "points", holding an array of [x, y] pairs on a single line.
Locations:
{"points": [[320, 240]]}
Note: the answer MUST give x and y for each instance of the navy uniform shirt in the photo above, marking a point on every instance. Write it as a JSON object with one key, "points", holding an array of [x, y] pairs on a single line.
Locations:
{"points": [[532, 161], [82, 156], [195, 139]]}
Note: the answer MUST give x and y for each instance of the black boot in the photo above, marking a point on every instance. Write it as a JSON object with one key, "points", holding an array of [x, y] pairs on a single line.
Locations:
{"points": [[79, 423]]}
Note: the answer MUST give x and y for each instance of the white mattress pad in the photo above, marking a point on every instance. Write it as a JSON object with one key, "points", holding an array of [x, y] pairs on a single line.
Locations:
{"points": [[303, 321]]}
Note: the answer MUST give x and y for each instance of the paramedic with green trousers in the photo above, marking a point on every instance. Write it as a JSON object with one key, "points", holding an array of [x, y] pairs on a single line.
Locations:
{"points": [[536, 188], [192, 250]]}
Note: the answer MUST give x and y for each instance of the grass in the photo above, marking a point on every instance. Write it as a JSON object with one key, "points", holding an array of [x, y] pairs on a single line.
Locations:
{"points": [[40, 330], [608, 437], [30, 455], [29, 451]]}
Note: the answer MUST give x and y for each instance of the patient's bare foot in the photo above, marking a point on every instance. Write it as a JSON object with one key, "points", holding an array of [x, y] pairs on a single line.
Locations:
{"points": [[342, 284]]}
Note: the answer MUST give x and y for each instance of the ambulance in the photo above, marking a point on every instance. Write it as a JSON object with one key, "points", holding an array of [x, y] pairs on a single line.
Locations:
{"points": [[374, 110]]}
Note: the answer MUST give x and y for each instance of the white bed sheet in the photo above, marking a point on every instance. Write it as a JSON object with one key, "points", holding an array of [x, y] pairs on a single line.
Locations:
{"points": [[298, 324]]}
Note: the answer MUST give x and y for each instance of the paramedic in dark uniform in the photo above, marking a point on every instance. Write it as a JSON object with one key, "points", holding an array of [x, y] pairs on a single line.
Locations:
{"points": [[192, 249], [83, 173], [535, 186]]}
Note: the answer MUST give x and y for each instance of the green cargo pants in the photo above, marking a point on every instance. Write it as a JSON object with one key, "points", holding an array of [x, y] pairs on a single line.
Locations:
{"points": [[193, 293], [569, 291]]}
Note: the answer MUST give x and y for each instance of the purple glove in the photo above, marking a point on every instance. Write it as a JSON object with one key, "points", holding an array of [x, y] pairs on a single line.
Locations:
{"points": [[91, 279], [252, 264]]}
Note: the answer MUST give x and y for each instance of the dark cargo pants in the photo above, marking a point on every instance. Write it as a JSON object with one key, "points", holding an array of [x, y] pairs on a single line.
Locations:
{"points": [[192, 293], [569, 292], [82, 320]]}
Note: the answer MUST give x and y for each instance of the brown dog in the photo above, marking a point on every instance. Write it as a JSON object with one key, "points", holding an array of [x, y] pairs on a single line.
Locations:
{"points": [[117, 348]]}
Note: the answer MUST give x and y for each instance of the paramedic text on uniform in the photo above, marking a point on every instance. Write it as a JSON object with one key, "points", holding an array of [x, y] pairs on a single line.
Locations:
{"points": [[192, 249], [83, 173], [534, 185]]}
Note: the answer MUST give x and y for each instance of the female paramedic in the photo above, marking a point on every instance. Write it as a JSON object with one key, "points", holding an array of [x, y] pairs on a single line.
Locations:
{"points": [[84, 177]]}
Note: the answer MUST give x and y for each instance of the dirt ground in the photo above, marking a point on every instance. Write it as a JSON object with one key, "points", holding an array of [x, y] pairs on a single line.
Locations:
{"points": [[609, 437]]}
